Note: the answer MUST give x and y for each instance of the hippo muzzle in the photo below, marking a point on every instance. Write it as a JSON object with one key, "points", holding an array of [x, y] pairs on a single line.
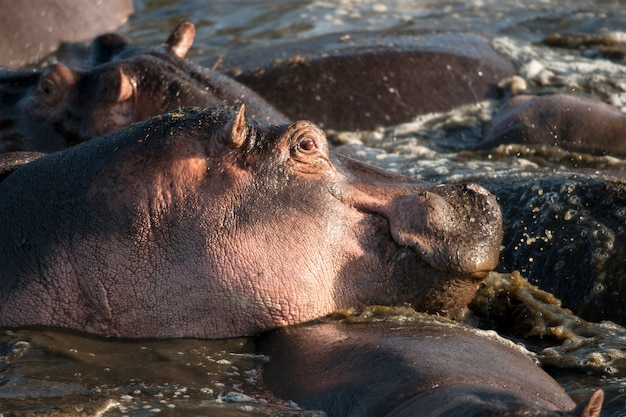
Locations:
{"points": [[453, 228]]}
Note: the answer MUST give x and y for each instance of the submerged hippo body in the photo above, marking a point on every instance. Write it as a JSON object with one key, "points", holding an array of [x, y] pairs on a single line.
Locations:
{"points": [[207, 224], [574, 123], [61, 106], [30, 30], [364, 80], [564, 231], [425, 369]]}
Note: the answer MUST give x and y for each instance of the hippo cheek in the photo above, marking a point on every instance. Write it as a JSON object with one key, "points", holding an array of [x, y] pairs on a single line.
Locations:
{"points": [[455, 229]]}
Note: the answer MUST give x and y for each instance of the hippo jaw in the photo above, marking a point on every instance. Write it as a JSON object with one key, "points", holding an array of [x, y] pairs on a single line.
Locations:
{"points": [[456, 231]]}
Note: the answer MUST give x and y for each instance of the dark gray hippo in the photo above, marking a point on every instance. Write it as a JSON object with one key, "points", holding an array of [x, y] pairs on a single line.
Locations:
{"points": [[207, 224], [363, 80], [574, 123], [62, 106], [356, 81], [423, 369], [565, 231], [30, 30]]}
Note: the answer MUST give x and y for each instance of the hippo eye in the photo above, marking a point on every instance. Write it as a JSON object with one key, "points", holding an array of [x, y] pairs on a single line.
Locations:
{"points": [[46, 87], [307, 145], [49, 92]]}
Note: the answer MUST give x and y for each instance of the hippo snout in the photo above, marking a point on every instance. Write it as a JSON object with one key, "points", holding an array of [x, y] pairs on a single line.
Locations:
{"points": [[453, 228]]}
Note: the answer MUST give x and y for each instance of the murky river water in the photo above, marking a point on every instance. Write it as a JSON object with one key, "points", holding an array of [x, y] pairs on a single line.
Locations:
{"points": [[59, 373]]}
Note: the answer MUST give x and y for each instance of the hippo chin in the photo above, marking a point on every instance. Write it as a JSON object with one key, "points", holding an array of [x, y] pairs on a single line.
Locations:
{"points": [[61, 106], [426, 369], [208, 224]]}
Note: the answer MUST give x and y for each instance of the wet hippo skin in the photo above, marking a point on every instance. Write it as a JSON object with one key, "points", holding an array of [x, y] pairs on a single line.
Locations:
{"points": [[360, 82], [574, 123], [203, 223], [10, 161], [61, 106], [363, 80], [423, 369], [564, 231], [30, 30]]}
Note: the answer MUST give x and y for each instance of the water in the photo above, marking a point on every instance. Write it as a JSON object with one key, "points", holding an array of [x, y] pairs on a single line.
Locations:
{"points": [[61, 373]]}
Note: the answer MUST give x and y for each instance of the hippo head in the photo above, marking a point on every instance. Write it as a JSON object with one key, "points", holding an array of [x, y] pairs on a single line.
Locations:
{"points": [[206, 223], [62, 106], [336, 225]]}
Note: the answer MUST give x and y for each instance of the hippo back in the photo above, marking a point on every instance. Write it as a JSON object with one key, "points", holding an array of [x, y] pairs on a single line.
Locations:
{"points": [[369, 369]]}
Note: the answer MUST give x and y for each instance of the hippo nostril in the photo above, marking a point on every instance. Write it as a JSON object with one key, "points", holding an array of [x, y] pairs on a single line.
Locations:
{"points": [[454, 229], [477, 189]]}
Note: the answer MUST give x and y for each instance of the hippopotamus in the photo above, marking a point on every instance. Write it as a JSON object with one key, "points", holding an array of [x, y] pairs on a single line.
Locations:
{"points": [[427, 368], [564, 231], [365, 80], [357, 83], [205, 223], [61, 106], [575, 123], [32, 29]]}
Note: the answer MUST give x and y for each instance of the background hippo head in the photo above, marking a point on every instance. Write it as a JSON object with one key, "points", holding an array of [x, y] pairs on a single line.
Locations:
{"points": [[62, 106], [208, 224]]}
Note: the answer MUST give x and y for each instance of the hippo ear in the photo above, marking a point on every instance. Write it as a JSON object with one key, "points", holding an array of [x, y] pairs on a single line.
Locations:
{"points": [[236, 129], [116, 86], [105, 47], [181, 39], [593, 407]]}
